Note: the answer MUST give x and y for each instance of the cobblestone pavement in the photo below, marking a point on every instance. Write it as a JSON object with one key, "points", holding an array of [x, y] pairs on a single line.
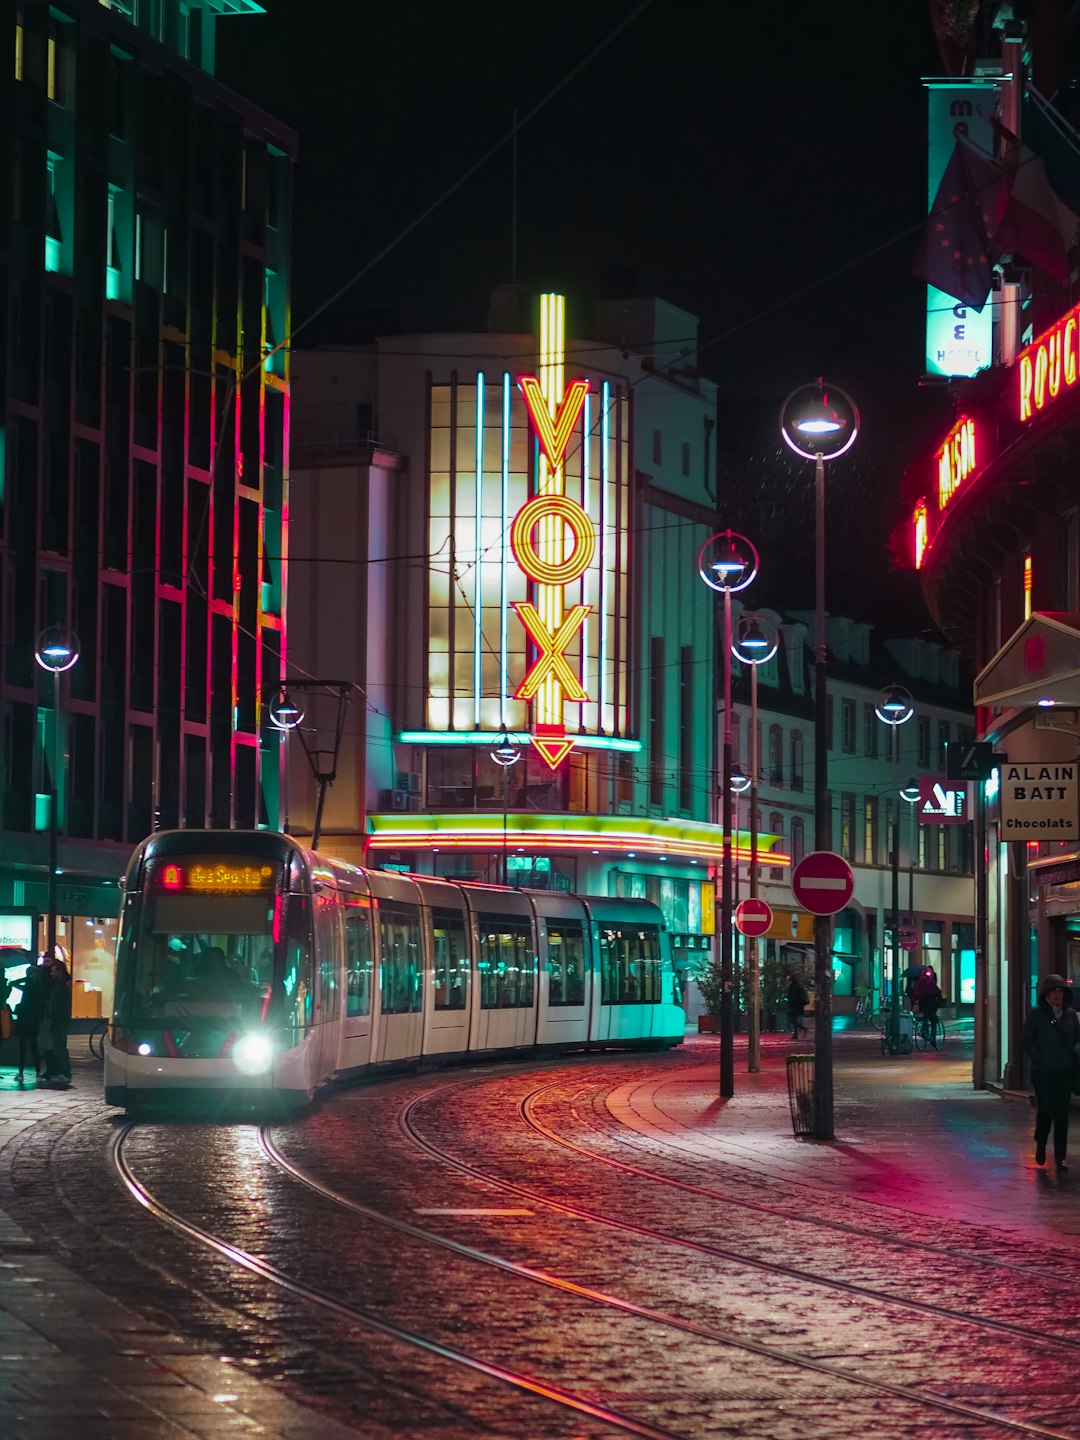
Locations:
{"points": [[923, 1250]]}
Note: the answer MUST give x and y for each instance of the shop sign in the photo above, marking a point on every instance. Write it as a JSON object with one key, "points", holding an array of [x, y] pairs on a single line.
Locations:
{"points": [[941, 803], [955, 460], [16, 930], [1048, 366], [1040, 801], [791, 925]]}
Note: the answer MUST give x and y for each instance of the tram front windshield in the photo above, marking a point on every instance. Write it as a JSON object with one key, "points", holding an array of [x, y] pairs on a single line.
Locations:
{"points": [[204, 959]]}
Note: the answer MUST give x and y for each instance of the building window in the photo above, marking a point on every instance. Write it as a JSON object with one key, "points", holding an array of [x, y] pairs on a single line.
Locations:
{"points": [[657, 448], [19, 37], [870, 830], [847, 719], [776, 827], [796, 760], [686, 457], [112, 252], [870, 732], [798, 841], [847, 826], [656, 720], [942, 741], [923, 734], [686, 727], [776, 755], [53, 236]]}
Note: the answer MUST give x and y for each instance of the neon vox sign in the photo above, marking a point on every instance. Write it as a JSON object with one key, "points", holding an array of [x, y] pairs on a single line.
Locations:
{"points": [[1049, 365], [554, 542]]}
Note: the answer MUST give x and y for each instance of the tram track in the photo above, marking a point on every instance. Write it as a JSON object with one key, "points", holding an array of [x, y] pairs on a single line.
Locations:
{"points": [[362, 1317], [788, 1358]]}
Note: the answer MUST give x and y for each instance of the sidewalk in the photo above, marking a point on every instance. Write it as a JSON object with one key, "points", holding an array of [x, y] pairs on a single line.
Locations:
{"points": [[910, 1133], [74, 1362]]}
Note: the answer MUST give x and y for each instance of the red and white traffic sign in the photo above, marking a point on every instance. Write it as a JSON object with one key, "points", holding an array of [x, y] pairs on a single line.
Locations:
{"points": [[822, 882], [752, 917], [909, 939]]}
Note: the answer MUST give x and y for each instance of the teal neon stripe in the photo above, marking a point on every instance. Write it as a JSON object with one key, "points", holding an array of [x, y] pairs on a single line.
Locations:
{"points": [[517, 737], [478, 635], [504, 678]]}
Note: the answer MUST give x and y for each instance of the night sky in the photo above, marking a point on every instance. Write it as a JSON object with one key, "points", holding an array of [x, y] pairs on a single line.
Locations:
{"points": [[730, 159]]}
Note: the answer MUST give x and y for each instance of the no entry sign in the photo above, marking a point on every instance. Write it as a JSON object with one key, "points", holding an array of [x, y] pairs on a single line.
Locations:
{"points": [[822, 882], [752, 917]]}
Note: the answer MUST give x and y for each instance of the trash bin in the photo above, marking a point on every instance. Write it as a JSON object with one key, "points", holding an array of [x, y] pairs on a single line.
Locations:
{"points": [[898, 1040], [800, 1089]]}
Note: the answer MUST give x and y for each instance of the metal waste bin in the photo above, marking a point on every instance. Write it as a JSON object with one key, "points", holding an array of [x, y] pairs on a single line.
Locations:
{"points": [[800, 1089], [898, 1039]]}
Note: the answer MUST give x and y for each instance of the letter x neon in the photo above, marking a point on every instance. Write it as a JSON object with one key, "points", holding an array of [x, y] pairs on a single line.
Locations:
{"points": [[551, 659], [554, 435]]}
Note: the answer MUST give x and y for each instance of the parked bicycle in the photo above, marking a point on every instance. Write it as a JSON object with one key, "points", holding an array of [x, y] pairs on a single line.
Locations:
{"points": [[864, 1008], [97, 1039]]}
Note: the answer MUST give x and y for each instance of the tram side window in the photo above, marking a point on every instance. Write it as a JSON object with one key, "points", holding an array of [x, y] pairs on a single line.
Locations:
{"points": [[507, 962], [450, 952], [327, 908], [357, 957], [400, 969], [299, 979], [566, 963], [630, 965]]}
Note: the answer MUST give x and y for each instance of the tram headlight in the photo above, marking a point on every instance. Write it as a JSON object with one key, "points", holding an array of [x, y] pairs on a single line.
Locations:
{"points": [[253, 1054]]}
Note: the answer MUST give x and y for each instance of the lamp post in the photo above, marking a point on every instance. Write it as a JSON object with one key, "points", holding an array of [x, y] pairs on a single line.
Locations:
{"points": [[820, 422], [285, 715], [727, 563], [57, 650], [895, 707], [506, 754], [756, 643]]}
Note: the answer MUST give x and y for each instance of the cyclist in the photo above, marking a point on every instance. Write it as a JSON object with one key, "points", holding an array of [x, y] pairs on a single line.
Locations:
{"points": [[927, 995]]}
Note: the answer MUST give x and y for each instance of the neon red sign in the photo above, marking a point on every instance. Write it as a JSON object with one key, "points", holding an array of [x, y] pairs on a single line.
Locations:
{"points": [[1049, 365], [955, 460]]}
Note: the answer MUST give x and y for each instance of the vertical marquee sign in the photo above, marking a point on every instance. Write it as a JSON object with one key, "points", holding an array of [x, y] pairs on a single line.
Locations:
{"points": [[553, 541]]}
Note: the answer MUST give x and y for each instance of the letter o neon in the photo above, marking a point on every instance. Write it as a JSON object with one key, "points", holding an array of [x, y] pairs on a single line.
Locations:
{"points": [[556, 507]]}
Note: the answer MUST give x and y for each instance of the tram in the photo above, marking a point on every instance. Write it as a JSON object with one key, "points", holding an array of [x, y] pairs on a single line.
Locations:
{"points": [[250, 968]]}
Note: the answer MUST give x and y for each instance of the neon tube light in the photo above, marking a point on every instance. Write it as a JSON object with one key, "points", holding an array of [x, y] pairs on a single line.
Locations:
{"points": [[478, 598], [518, 737], [504, 680], [605, 475]]}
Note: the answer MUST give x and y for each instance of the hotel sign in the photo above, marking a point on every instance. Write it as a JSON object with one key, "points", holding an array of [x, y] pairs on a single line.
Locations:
{"points": [[1040, 801]]}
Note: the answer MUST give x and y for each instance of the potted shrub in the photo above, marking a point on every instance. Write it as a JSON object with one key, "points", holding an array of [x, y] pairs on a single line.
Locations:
{"points": [[706, 975]]}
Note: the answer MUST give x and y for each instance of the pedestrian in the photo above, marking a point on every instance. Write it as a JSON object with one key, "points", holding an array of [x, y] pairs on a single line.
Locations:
{"points": [[57, 1019], [929, 999], [29, 1014], [1051, 1040], [797, 1001]]}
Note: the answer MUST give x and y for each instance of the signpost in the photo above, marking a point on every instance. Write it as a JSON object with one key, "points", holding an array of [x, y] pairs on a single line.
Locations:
{"points": [[822, 882], [753, 917], [1040, 800]]}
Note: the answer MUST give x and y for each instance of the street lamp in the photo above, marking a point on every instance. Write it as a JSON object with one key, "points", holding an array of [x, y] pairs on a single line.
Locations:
{"points": [[756, 642], [506, 754], [820, 422], [727, 562], [285, 715], [57, 650]]}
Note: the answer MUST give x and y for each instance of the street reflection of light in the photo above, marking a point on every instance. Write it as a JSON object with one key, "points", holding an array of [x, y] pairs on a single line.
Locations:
{"points": [[224, 1399]]}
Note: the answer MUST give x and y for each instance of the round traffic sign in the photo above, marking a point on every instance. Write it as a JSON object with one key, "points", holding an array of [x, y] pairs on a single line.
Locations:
{"points": [[822, 882], [752, 917], [909, 939]]}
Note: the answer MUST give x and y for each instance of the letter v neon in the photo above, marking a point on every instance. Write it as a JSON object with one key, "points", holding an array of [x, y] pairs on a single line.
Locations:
{"points": [[554, 435]]}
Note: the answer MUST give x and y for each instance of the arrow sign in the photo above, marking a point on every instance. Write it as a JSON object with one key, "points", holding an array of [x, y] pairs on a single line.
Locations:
{"points": [[822, 882], [753, 917]]}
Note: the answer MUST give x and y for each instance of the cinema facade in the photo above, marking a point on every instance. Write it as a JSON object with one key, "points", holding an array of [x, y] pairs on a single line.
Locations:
{"points": [[994, 532]]}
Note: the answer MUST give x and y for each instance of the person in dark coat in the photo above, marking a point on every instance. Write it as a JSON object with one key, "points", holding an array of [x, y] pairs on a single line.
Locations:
{"points": [[1051, 1040], [797, 1001], [57, 1019], [28, 1017], [929, 999]]}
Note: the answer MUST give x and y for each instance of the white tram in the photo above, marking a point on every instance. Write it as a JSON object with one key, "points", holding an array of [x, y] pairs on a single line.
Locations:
{"points": [[247, 965]]}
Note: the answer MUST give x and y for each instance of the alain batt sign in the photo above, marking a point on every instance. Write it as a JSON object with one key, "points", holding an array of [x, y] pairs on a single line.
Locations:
{"points": [[1039, 801]]}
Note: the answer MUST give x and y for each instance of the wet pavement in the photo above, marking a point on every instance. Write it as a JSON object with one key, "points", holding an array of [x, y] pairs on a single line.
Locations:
{"points": [[682, 1263]]}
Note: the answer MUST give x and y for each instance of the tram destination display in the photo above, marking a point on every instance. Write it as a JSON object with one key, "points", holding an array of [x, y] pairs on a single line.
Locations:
{"points": [[1040, 800]]}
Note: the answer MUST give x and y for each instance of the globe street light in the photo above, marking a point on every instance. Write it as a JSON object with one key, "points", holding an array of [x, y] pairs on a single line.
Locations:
{"points": [[727, 562], [285, 715], [756, 642], [820, 422], [57, 650], [505, 754]]}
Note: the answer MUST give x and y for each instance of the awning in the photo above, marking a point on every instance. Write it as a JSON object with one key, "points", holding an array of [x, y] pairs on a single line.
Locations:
{"points": [[1039, 662]]}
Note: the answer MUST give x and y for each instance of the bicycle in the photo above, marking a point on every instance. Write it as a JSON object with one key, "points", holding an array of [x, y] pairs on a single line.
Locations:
{"points": [[864, 1010], [929, 1032], [96, 1039]]}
